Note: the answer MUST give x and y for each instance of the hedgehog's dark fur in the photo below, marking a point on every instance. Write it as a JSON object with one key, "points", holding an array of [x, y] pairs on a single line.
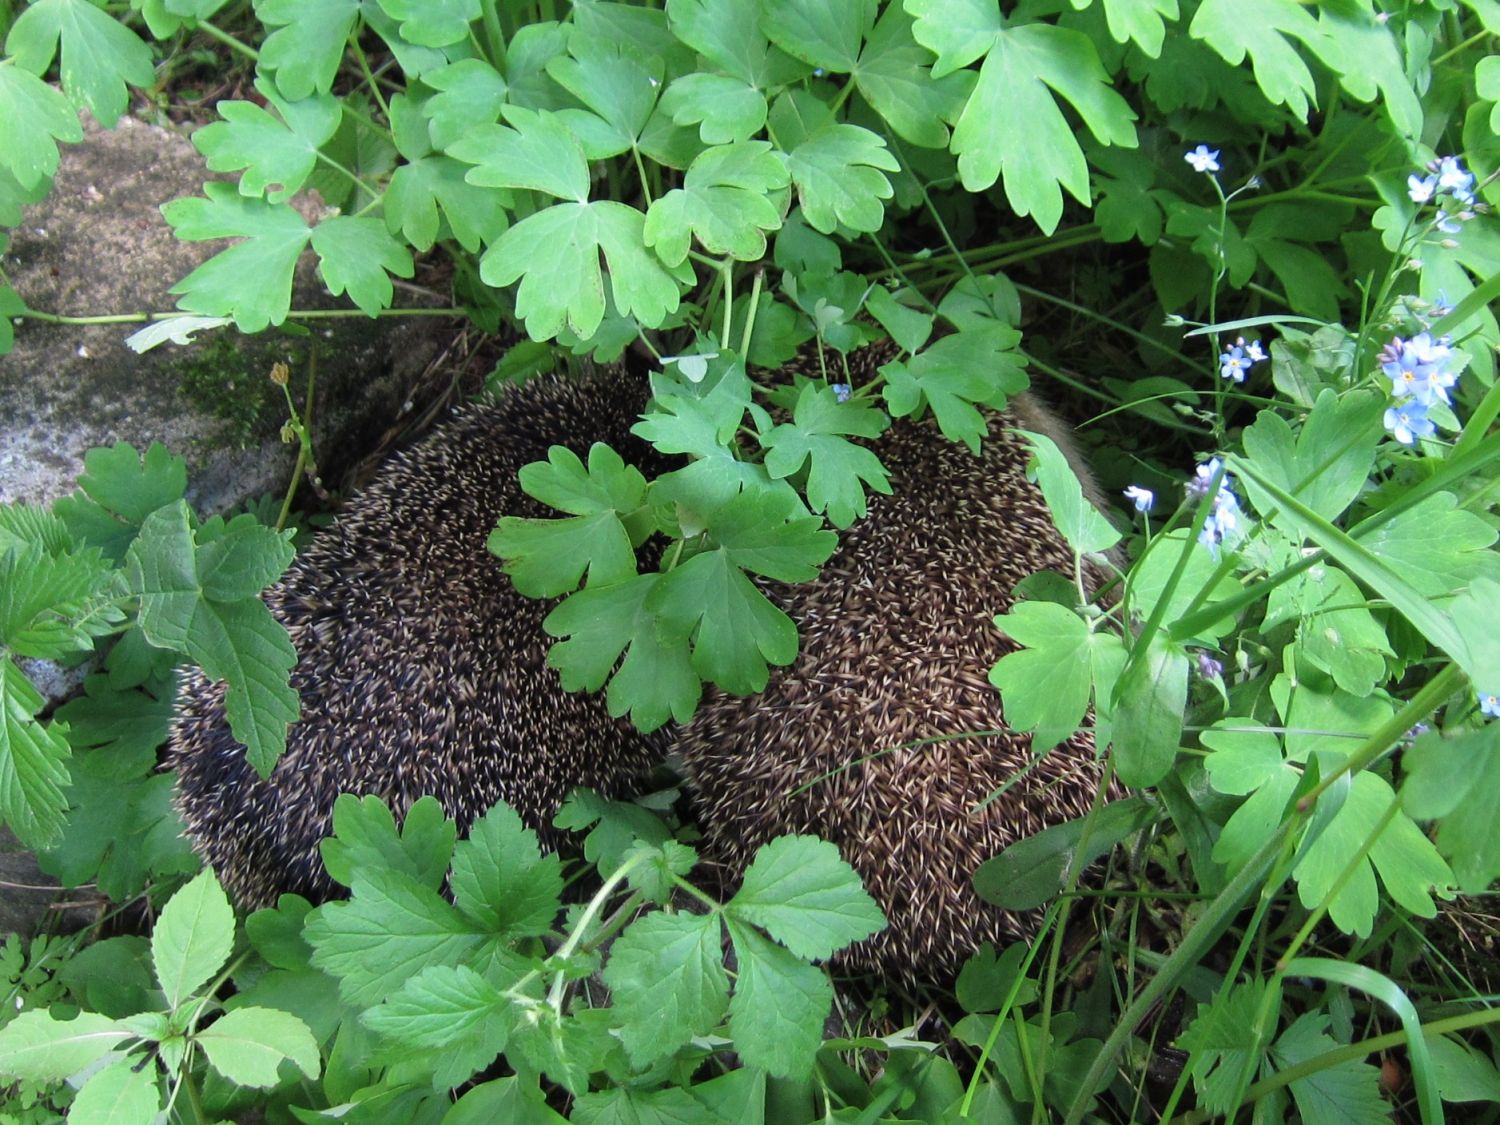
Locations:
{"points": [[420, 668], [879, 718]]}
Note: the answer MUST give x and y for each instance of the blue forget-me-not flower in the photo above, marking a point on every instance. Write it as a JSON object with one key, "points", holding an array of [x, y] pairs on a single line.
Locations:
{"points": [[1223, 522], [842, 391], [1235, 363], [1490, 704], [1142, 498], [1203, 159], [1418, 368]]}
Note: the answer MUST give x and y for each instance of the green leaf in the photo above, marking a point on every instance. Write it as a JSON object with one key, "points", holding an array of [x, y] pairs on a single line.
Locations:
{"points": [[908, 327], [802, 892], [32, 762], [1227, 1044], [248, 1045], [471, 92], [1031, 872], [977, 366], [555, 255], [821, 34], [252, 280], [840, 171], [308, 44], [893, 73], [656, 680], [433, 23], [1147, 719], [36, 1047], [441, 1005], [275, 154], [502, 880], [1150, 577], [238, 640], [613, 80], [724, 202], [1045, 685], [1328, 1095], [1279, 70], [1086, 531], [1457, 779], [626, 1105], [119, 488], [357, 255], [667, 979], [1339, 635], [192, 939], [365, 837], [123, 1093], [536, 152], [548, 557], [391, 929], [1437, 546], [100, 55], [838, 467], [726, 110], [55, 605], [779, 1006], [1248, 761], [728, 34], [1463, 1074], [1011, 121], [32, 114], [420, 188], [1137, 21]]}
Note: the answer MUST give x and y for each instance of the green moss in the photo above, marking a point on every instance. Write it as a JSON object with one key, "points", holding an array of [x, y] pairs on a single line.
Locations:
{"points": [[220, 380]]}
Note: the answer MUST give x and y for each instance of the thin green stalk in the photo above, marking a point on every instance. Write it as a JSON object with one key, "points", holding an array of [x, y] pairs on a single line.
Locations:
{"points": [[228, 40]]}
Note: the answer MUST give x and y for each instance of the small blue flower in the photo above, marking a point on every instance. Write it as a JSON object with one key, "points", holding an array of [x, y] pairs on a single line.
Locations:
{"points": [[1203, 476], [842, 391], [1208, 667], [1253, 351], [1454, 179], [1418, 368], [1203, 159], [1407, 421], [1223, 522], [1490, 705], [1421, 188], [1142, 498], [1233, 364]]}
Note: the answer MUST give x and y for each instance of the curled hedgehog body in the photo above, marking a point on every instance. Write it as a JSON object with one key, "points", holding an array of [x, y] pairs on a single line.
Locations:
{"points": [[420, 668], [885, 737]]}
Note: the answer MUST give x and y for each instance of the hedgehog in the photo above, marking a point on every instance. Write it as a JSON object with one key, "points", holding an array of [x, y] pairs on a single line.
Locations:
{"points": [[420, 668], [885, 737]]}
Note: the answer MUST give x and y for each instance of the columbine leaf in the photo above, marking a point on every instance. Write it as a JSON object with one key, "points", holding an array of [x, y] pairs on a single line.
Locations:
{"points": [[978, 366], [470, 95], [1279, 71], [840, 171], [237, 641], [1339, 635], [724, 201], [252, 280], [433, 23], [728, 34], [1012, 122], [894, 75], [357, 255], [419, 188], [36, 1047], [32, 762], [100, 55], [277, 155], [555, 255], [726, 110], [248, 1045], [1328, 1095], [1436, 545], [780, 1004], [1137, 21], [1147, 719], [32, 114], [822, 33], [536, 151], [838, 466], [656, 680], [364, 837], [1081, 524], [1248, 761], [502, 880], [802, 892], [308, 44], [613, 80], [192, 939], [548, 557], [391, 929], [1044, 686], [119, 488], [1457, 780], [667, 978]]}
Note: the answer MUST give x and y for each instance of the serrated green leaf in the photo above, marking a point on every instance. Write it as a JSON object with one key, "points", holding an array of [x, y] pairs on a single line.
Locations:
{"points": [[779, 1006], [1328, 1095], [802, 892], [30, 524], [624, 1105], [33, 117], [364, 837], [978, 366], [656, 680], [419, 188], [1225, 1043], [252, 280], [119, 488], [536, 152], [1457, 780], [1044, 686], [33, 758], [123, 1093], [38, 1048], [277, 155], [308, 44], [555, 255], [248, 1045], [894, 75], [726, 110], [391, 929], [724, 201], [432, 23], [667, 979], [100, 55], [55, 605], [1080, 523], [839, 469], [192, 939], [502, 880], [440, 1005], [825, 35], [548, 557], [357, 256], [1011, 122], [840, 171]]}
